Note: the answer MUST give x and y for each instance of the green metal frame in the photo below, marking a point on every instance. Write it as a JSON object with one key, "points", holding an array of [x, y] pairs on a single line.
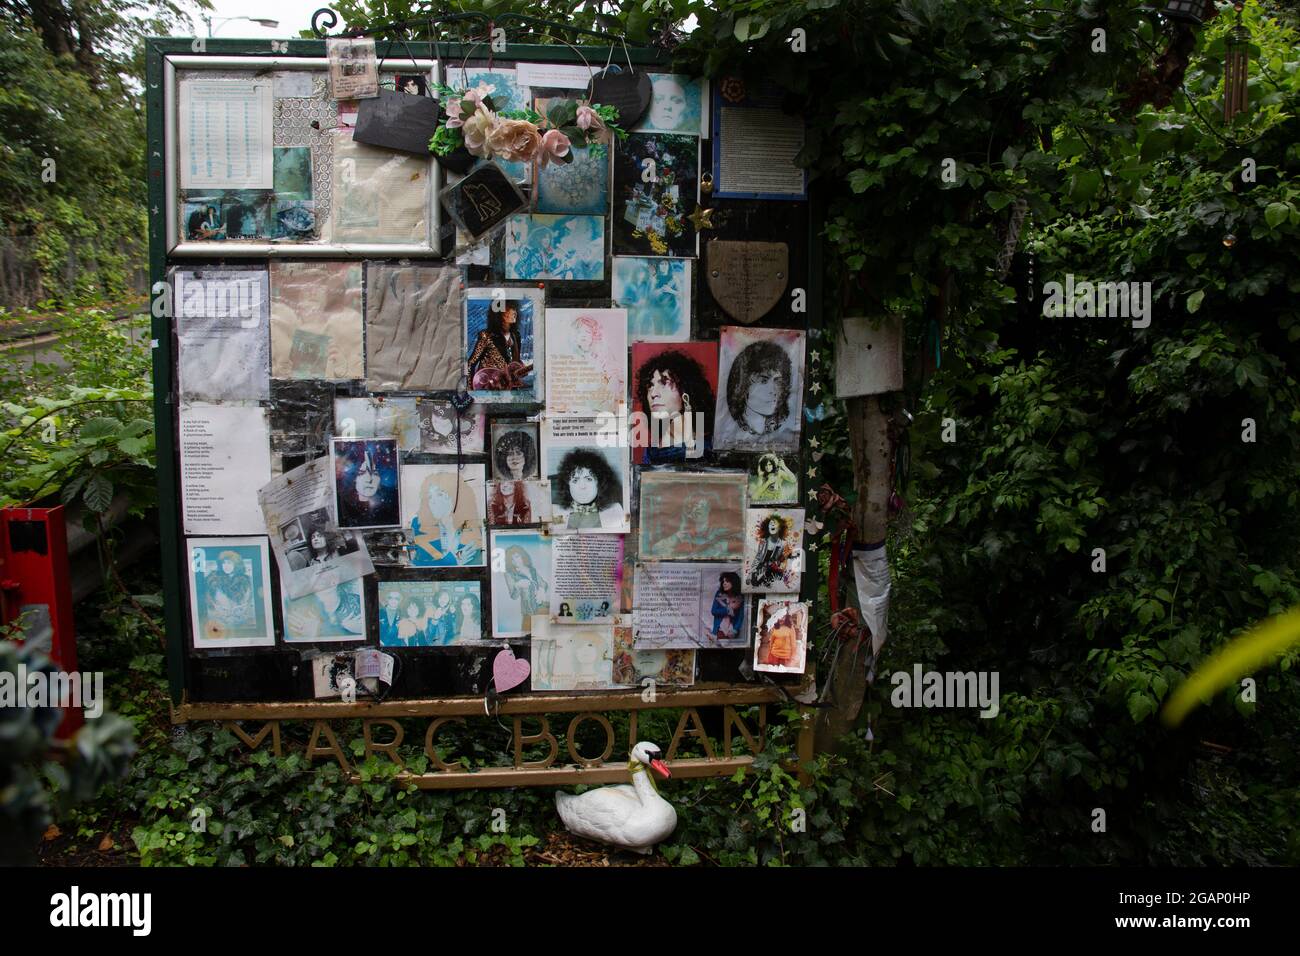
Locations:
{"points": [[168, 466]]}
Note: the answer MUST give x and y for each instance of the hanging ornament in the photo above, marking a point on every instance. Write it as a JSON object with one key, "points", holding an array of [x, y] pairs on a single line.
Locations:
{"points": [[1236, 69]]}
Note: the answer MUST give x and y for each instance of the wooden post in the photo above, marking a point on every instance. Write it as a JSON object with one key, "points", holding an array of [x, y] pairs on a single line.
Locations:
{"points": [[869, 438]]}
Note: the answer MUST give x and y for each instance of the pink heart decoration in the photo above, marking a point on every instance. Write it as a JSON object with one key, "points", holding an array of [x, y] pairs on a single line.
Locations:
{"points": [[509, 671]]}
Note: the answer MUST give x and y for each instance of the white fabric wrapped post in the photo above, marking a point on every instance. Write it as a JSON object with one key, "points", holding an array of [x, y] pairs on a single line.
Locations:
{"points": [[872, 583]]}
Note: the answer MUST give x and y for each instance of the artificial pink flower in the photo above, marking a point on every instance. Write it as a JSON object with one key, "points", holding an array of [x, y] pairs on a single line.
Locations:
{"points": [[590, 122], [555, 146], [461, 108], [514, 140], [587, 118]]}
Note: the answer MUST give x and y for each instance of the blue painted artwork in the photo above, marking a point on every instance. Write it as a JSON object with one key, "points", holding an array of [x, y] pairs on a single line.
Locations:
{"points": [[581, 186], [334, 614], [566, 248], [231, 592], [676, 105], [657, 295]]}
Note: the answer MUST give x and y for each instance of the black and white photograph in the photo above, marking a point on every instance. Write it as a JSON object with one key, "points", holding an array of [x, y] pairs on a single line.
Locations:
{"points": [[515, 451], [760, 390]]}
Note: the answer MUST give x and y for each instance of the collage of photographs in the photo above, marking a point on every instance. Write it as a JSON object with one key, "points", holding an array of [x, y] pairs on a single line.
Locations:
{"points": [[534, 442]]}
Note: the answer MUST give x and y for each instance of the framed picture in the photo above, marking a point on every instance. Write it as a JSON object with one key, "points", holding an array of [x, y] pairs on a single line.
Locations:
{"points": [[505, 344], [633, 668], [774, 554], [781, 636], [692, 516], [673, 388], [521, 581], [590, 474], [225, 122], [518, 504], [446, 431], [773, 481], [230, 593], [678, 104], [657, 296], [563, 248], [656, 188], [515, 455], [366, 489], [430, 613], [579, 657], [760, 394], [586, 360], [690, 605], [333, 615]]}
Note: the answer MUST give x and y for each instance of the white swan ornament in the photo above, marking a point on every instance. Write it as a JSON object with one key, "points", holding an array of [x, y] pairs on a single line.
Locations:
{"points": [[627, 815]]}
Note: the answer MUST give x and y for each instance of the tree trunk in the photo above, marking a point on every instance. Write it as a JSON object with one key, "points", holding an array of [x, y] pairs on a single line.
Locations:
{"points": [[869, 438]]}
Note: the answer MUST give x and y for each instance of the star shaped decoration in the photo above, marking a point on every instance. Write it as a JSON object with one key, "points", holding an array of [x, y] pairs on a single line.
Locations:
{"points": [[702, 219], [812, 495], [814, 443], [155, 210], [816, 388], [813, 546], [816, 356], [812, 472]]}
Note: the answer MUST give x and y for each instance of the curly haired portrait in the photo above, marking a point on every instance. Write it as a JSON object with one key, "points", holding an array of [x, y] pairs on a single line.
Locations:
{"points": [[674, 383], [761, 403], [587, 492]]}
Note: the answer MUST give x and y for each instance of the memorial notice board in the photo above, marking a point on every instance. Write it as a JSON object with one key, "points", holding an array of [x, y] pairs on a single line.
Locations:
{"points": [[409, 417]]}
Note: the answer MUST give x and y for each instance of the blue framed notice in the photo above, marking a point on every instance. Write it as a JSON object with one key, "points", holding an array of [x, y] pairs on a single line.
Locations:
{"points": [[755, 144]]}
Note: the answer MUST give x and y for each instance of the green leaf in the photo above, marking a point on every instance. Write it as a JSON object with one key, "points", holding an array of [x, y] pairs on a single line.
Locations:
{"points": [[99, 428], [1276, 213], [997, 200], [1084, 185], [133, 446], [99, 493], [1194, 300], [562, 113], [750, 28], [1141, 706]]}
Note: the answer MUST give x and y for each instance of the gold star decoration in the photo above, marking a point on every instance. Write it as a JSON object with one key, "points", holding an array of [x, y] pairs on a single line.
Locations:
{"points": [[813, 546], [701, 219], [812, 495], [816, 356], [814, 443], [812, 472], [816, 388]]}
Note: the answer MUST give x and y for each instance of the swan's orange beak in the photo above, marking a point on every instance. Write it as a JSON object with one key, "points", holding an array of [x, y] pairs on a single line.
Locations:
{"points": [[661, 767]]}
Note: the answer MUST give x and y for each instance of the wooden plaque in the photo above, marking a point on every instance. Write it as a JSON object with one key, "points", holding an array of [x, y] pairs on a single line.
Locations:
{"points": [[747, 279]]}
